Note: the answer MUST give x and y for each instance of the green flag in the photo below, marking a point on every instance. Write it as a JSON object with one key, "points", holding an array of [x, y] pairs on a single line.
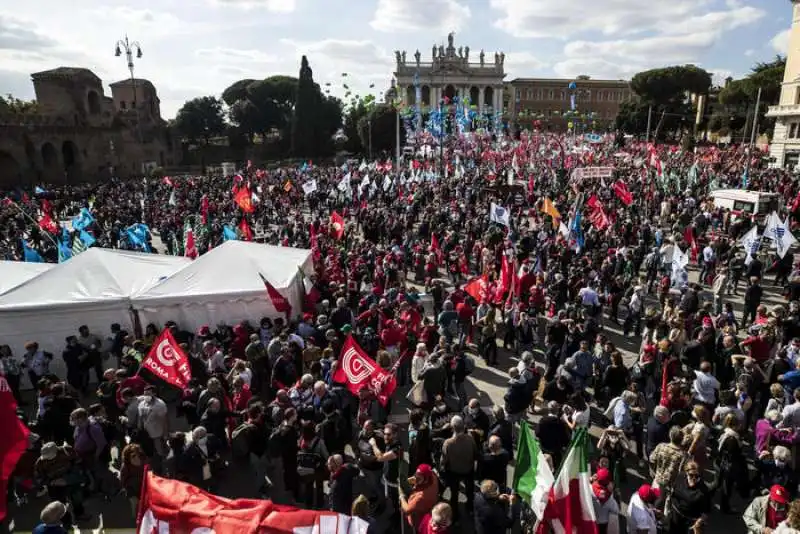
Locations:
{"points": [[533, 477]]}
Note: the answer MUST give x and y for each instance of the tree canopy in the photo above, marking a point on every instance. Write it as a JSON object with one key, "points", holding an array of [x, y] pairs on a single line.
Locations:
{"points": [[667, 85], [11, 104], [378, 128], [201, 118]]}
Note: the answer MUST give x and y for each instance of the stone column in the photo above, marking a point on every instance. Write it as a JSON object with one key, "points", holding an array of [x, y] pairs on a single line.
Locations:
{"points": [[480, 99], [498, 98], [434, 96]]}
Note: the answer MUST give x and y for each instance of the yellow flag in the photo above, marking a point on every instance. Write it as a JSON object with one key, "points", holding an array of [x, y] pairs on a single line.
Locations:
{"points": [[549, 209]]}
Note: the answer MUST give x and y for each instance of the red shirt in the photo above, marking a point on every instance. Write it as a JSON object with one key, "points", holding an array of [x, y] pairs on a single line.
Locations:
{"points": [[464, 311], [759, 348]]}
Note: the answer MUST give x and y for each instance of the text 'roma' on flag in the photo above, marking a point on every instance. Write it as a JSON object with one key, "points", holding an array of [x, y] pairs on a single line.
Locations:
{"points": [[14, 441], [570, 508], [167, 361], [358, 371], [279, 302], [170, 506]]}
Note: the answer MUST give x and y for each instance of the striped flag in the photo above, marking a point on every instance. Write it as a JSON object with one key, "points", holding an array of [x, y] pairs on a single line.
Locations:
{"points": [[78, 246], [533, 477], [570, 509]]}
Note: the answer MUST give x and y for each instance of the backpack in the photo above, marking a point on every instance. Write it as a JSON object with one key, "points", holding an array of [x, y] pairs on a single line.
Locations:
{"points": [[309, 461], [240, 443], [469, 365]]}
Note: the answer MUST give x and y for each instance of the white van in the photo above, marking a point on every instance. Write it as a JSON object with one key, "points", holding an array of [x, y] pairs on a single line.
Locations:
{"points": [[746, 203]]}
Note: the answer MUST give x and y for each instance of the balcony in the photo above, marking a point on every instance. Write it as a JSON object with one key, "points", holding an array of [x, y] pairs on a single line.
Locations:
{"points": [[791, 110]]}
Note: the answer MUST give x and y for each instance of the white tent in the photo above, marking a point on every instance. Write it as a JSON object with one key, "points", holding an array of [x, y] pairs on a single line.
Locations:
{"points": [[223, 285], [92, 289], [14, 273]]}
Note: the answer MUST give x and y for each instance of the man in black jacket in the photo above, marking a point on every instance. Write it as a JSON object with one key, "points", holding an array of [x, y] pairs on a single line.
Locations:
{"points": [[340, 491]]}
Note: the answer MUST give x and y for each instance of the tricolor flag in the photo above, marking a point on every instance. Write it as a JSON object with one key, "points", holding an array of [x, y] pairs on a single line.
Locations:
{"points": [[533, 478], [570, 509], [279, 302]]}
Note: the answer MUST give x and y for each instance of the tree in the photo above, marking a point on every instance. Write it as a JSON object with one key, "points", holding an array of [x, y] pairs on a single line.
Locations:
{"points": [[11, 104], [263, 106], [306, 106], [236, 91], [380, 125], [201, 118], [359, 108]]}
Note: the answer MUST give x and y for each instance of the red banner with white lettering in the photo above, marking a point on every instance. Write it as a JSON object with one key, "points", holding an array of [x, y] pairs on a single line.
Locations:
{"points": [[168, 362], [167, 506], [358, 370]]}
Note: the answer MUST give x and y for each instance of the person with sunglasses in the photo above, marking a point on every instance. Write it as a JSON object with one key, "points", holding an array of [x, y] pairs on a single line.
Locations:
{"points": [[690, 502]]}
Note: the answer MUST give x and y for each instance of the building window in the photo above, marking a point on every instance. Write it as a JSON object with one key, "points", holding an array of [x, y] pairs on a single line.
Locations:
{"points": [[792, 130], [122, 104], [550, 94], [519, 94], [528, 94]]}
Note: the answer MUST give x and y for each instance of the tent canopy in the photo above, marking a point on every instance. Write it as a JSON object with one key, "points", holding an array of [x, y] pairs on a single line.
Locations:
{"points": [[14, 273], [231, 270], [95, 276]]}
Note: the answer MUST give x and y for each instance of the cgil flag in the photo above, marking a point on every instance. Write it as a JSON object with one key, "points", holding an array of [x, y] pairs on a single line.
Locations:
{"points": [[169, 505], [167, 361], [751, 242], [337, 225], [14, 442], [533, 477], [358, 371], [500, 215], [570, 507]]}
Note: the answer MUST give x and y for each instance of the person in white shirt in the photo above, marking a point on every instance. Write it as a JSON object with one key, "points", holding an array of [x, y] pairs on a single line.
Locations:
{"points": [[641, 517], [215, 358], [606, 508], [705, 386]]}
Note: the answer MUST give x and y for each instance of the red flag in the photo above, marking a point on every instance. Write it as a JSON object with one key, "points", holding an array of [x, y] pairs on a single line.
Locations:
{"points": [[190, 250], [247, 233], [436, 248], [796, 202], [47, 208], [622, 192], [167, 361], [280, 302], [244, 199], [204, 208], [167, 505], [477, 287], [337, 222], [505, 278], [47, 224], [14, 440], [168, 181], [358, 370]]}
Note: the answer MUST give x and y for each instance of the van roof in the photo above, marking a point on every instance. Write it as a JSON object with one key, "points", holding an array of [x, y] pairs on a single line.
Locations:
{"points": [[739, 194]]}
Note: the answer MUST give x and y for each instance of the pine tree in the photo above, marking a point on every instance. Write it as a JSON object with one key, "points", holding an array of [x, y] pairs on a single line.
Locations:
{"points": [[303, 120]]}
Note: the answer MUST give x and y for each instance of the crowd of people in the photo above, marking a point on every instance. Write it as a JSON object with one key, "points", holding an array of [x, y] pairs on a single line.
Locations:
{"points": [[527, 264]]}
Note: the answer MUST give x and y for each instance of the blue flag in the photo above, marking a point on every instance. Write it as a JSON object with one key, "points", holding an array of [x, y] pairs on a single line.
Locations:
{"points": [[577, 230], [228, 233], [30, 254], [87, 238], [83, 220], [137, 235], [39, 191]]}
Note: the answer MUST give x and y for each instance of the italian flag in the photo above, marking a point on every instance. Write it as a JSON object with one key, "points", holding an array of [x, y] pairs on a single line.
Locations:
{"points": [[533, 478], [570, 509]]}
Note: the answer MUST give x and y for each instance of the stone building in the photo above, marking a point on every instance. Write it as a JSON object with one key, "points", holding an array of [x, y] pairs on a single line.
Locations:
{"points": [[785, 147], [450, 73], [78, 133], [549, 101]]}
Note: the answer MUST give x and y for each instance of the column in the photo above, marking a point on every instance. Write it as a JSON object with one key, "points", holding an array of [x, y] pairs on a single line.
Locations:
{"points": [[434, 96], [498, 98], [465, 91], [480, 99]]}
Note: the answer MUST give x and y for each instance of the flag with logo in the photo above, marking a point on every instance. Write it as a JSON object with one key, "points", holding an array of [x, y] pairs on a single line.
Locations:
{"points": [[47, 224], [244, 199], [358, 371], [784, 239], [279, 302], [168, 505], [83, 220], [14, 442], [167, 361], [29, 254], [533, 477], [570, 509], [337, 225], [751, 242], [500, 215], [310, 186]]}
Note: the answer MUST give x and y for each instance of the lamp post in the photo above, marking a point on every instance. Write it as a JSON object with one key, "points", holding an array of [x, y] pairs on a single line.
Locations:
{"points": [[391, 97], [130, 48]]}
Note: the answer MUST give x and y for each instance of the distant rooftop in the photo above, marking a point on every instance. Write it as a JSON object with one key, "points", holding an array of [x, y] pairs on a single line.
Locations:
{"points": [[139, 82], [65, 71], [590, 81]]}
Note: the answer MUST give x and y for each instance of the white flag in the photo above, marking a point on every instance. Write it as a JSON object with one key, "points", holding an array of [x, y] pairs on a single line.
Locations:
{"points": [[770, 230], [563, 230], [363, 166], [751, 242], [344, 184], [310, 186], [171, 200], [387, 183], [498, 214], [784, 238]]}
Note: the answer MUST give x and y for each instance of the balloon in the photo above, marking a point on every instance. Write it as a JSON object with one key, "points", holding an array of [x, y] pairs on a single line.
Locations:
{"points": [[573, 85]]}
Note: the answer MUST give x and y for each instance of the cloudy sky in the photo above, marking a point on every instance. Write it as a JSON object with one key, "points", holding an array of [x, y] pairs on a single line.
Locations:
{"points": [[198, 47]]}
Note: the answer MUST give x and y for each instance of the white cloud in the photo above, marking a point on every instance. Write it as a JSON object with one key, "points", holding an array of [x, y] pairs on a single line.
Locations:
{"points": [[539, 18], [718, 76], [274, 6], [749, 52], [781, 42], [233, 55], [442, 16], [523, 65]]}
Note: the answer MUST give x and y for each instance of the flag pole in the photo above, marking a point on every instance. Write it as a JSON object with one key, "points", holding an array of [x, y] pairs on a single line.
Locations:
{"points": [[34, 221]]}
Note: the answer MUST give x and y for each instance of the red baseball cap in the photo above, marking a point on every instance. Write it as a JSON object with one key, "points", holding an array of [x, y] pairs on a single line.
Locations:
{"points": [[424, 470], [778, 494], [648, 493], [603, 476]]}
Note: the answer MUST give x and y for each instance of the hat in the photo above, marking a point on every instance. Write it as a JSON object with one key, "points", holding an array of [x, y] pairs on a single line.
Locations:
{"points": [[49, 450], [648, 493], [423, 470], [707, 321], [778, 494], [204, 331], [603, 476]]}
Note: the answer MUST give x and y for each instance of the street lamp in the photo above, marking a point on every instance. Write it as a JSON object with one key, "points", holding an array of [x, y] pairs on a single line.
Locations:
{"points": [[130, 48], [392, 97]]}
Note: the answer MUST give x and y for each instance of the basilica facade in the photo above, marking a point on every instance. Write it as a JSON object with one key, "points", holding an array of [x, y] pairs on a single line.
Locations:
{"points": [[451, 74]]}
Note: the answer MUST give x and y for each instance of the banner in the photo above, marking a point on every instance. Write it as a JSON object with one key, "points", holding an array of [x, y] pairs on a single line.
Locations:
{"points": [[168, 362], [169, 506], [358, 370], [14, 442], [582, 173]]}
